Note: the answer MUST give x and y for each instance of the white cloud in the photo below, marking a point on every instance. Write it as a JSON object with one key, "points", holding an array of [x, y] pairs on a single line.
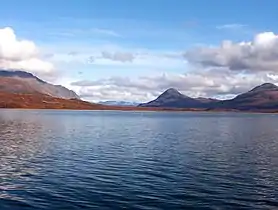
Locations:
{"points": [[16, 54], [221, 84], [261, 54], [106, 93], [34, 65]]}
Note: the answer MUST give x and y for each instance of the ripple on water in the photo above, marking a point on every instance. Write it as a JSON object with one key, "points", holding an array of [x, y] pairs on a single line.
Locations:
{"points": [[115, 160]]}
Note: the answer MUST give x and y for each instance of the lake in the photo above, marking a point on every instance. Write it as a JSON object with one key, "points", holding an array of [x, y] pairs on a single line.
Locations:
{"points": [[68, 160]]}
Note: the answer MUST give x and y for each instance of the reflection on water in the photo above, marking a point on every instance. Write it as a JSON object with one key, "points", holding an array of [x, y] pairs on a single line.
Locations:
{"points": [[137, 160], [21, 142]]}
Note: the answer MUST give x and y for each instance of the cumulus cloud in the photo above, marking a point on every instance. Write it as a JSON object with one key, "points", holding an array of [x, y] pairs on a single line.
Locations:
{"points": [[16, 54], [261, 54], [221, 84]]}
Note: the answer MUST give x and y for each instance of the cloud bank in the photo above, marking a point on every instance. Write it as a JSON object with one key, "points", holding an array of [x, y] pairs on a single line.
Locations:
{"points": [[17, 54], [220, 71], [212, 71], [195, 84]]}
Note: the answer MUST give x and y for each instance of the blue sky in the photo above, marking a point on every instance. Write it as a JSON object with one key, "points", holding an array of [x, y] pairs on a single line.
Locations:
{"points": [[99, 41]]}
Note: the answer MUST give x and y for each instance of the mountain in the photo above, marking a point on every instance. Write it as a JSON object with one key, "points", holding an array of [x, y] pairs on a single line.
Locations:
{"points": [[172, 98], [24, 82], [19, 89], [118, 103], [264, 96]]}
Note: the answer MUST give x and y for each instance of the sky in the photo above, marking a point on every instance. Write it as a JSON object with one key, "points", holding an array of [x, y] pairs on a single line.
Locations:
{"points": [[134, 50]]}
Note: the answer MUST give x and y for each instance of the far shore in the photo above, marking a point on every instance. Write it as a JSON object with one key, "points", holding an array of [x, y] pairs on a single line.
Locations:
{"points": [[147, 109], [42, 101]]}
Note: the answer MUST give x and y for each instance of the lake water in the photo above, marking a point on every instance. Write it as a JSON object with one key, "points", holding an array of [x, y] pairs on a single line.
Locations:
{"points": [[54, 160]]}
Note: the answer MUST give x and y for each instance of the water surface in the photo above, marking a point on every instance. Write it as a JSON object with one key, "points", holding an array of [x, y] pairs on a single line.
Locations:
{"points": [[137, 160]]}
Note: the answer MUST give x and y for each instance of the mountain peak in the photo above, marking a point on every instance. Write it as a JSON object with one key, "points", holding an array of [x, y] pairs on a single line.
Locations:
{"points": [[173, 98], [265, 86], [172, 92]]}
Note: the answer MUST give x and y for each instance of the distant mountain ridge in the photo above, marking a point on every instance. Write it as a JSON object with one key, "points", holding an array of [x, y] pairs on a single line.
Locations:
{"points": [[262, 97], [24, 82]]}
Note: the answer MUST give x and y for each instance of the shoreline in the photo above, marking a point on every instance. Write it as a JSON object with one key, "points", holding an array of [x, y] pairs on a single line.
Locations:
{"points": [[146, 109], [46, 102]]}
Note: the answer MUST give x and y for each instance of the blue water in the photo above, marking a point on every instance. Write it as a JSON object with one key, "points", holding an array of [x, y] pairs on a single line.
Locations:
{"points": [[137, 160]]}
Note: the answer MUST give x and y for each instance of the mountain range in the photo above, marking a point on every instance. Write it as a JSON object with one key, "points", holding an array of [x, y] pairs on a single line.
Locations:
{"points": [[19, 89], [263, 97]]}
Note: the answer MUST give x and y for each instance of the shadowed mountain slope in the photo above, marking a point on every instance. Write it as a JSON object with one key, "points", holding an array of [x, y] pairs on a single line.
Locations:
{"points": [[172, 98], [264, 96], [24, 82]]}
